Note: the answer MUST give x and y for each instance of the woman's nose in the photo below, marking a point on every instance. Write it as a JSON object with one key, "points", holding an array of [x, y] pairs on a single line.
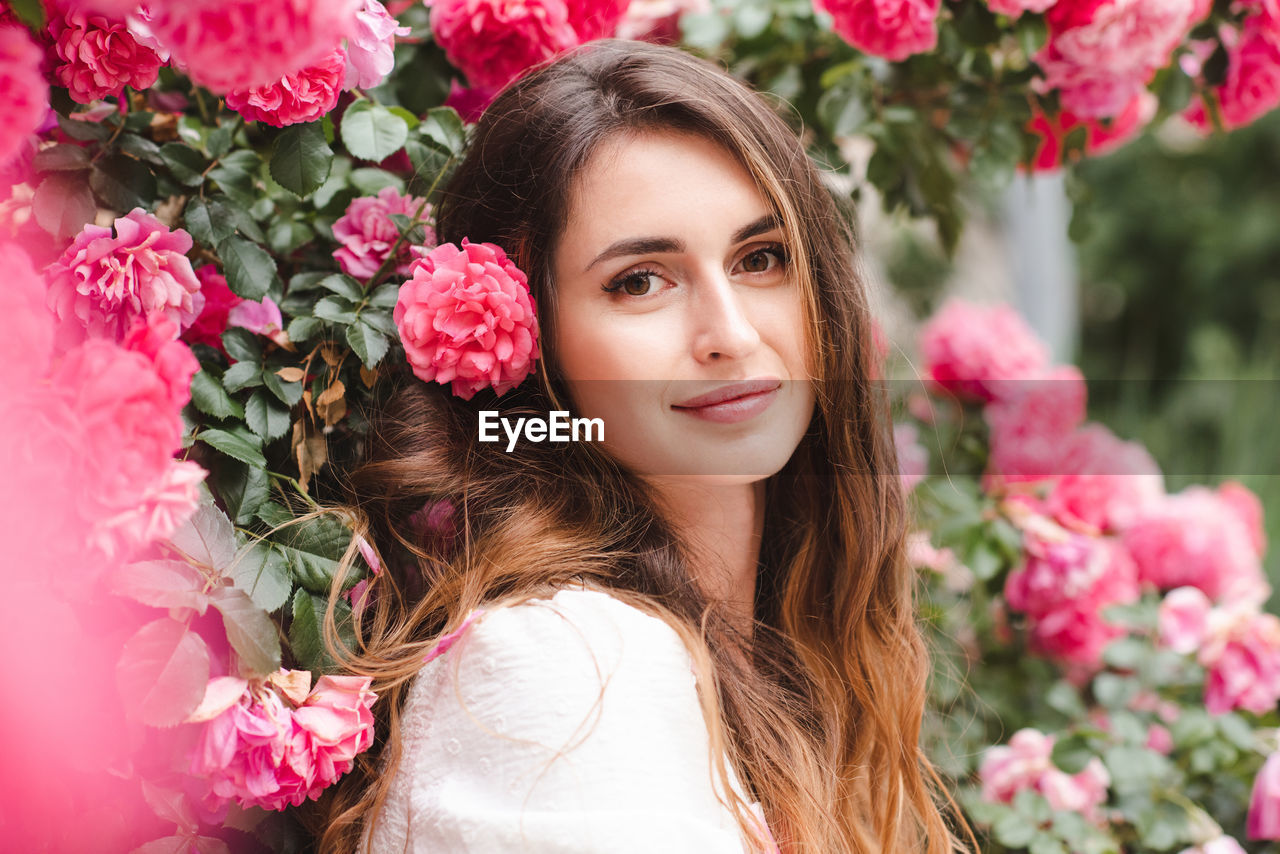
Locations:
{"points": [[722, 323]]}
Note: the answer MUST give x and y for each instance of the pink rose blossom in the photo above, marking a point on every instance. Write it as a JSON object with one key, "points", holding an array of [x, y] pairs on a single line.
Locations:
{"points": [[173, 361], [922, 554], [260, 318], [470, 103], [371, 46], [367, 232], [1264, 801], [658, 21], [1184, 619], [495, 41], [1248, 509], [100, 56], [23, 90], [1031, 422], [27, 343], [338, 720], [104, 281], [1218, 845], [244, 44], [1101, 135], [1159, 739], [1015, 8], [974, 350], [1025, 763], [913, 458], [1100, 55], [893, 29], [110, 8], [1106, 482], [1252, 87], [297, 98], [218, 302], [466, 316], [1195, 538], [595, 19]]}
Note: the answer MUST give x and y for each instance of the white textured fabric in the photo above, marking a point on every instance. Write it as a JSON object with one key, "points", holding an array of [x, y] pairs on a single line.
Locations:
{"points": [[557, 726]]}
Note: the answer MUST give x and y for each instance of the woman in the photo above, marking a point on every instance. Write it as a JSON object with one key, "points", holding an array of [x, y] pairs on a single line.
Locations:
{"points": [[700, 630]]}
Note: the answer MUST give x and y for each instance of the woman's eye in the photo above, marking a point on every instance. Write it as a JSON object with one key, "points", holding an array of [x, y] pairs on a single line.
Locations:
{"points": [[635, 284], [759, 260]]}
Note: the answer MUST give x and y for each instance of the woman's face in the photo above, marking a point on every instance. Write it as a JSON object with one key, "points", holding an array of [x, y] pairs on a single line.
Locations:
{"points": [[673, 281]]}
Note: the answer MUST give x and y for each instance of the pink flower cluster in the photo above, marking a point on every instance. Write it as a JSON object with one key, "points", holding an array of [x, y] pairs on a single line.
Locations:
{"points": [[1025, 763], [466, 317], [1101, 54], [1064, 584], [298, 97], [367, 233], [1101, 135], [972, 350], [1252, 87], [893, 29], [224, 309], [109, 278], [1238, 645], [495, 41], [242, 45], [371, 46], [277, 744], [23, 90], [100, 56], [1264, 801]]}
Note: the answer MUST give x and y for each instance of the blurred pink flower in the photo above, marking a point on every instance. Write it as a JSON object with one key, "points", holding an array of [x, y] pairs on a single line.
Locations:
{"points": [[99, 56], [1025, 763], [1248, 509], [218, 302], [470, 103], [1031, 421], [1184, 619], [466, 317], [893, 29], [974, 350], [104, 281], [1252, 87], [371, 46], [1264, 801], [1101, 54], [1218, 845], [243, 44], [1101, 135], [260, 318], [1195, 538], [913, 458], [595, 19], [23, 90], [495, 41], [27, 342], [299, 97], [658, 21], [367, 233], [1015, 8]]}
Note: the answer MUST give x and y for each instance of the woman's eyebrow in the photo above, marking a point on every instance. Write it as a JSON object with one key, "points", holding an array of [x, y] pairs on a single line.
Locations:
{"points": [[647, 245]]}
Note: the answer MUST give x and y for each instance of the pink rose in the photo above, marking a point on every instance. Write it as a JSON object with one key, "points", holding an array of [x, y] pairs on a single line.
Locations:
{"points": [[1015, 8], [658, 21], [1218, 845], [218, 302], [27, 343], [595, 19], [260, 318], [244, 45], [913, 458], [337, 719], [1102, 53], [100, 56], [300, 97], [173, 361], [1031, 422], [367, 232], [1025, 763], [1184, 619], [23, 90], [1248, 509], [1264, 801], [973, 350], [371, 46], [1101, 135], [1252, 87], [470, 103], [104, 282], [893, 29], [495, 41], [1195, 538], [1241, 655], [1106, 482], [466, 316]]}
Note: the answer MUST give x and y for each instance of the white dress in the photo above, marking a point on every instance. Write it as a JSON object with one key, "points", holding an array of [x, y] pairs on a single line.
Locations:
{"points": [[569, 724]]}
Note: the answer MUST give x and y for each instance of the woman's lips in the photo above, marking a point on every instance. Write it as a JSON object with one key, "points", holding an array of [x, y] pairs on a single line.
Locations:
{"points": [[734, 410]]}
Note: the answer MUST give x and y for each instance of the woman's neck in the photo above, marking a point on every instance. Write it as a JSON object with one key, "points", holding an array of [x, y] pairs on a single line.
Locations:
{"points": [[722, 525]]}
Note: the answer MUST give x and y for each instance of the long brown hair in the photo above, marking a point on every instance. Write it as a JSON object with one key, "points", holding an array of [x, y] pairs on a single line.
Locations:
{"points": [[822, 724]]}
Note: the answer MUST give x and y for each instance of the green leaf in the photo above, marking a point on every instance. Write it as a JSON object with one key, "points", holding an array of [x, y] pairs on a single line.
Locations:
{"points": [[251, 632], [1014, 830], [233, 446], [266, 416], [84, 130], [262, 572], [242, 488], [207, 538], [343, 286], [162, 584], [1045, 843], [304, 630], [242, 375], [369, 180], [1072, 753], [367, 343], [335, 309], [209, 221], [301, 159], [242, 345], [211, 398], [185, 163], [141, 148], [380, 321], [443, 127], [122, 183], [163, 672], [30, 12], [218, 142], [372, 132], [61, 158], [64, 204], [385, 295], [409, 118], [287, 393], [313, 550], [249, 269], [302, 329]]}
